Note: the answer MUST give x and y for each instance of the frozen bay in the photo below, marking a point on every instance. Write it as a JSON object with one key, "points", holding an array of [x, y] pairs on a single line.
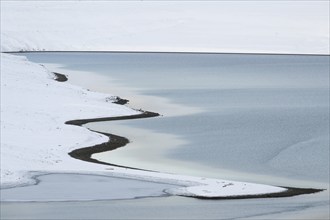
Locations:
{"points": [[250, 115], [255, 113]]}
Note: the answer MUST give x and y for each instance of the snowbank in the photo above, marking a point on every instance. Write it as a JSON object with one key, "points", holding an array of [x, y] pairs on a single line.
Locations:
{"points": [[298, 27], [34, 108]]}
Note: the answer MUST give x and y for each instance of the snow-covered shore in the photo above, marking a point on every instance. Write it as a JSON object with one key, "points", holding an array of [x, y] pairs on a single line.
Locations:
{"points": [[34, 136], [35, 107]]}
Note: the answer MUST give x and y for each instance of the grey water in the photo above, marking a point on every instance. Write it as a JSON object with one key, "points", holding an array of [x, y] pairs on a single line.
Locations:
{"points": [[170, 208], [59, 187], [265, 115]]}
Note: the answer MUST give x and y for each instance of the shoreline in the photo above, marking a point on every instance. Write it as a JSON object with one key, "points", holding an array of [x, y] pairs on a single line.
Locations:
{"points": [[192, 186], [145, 114], [36, 105], [168, 52], [289, 192], [115, 141]]}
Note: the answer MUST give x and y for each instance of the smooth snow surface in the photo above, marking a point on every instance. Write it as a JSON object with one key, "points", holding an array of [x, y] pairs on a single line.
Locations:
{"points": [[299, 27], [34, 108]]}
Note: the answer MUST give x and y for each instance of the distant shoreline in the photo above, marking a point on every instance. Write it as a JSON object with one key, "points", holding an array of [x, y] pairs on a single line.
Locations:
{"points": [[169, 52]]}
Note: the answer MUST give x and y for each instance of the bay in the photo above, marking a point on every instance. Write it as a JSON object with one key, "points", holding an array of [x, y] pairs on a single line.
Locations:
{"points": [[258, 118]]}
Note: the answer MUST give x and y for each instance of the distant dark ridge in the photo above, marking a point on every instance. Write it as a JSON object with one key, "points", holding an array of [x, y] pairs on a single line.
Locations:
{"points": [[166, 52]]}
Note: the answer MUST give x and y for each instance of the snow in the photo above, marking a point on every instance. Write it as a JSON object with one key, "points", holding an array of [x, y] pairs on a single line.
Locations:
{"points": [[34, 107], [299, 27]]}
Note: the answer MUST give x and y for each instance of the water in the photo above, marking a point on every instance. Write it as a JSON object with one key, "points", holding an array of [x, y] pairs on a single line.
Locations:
{"points": [[83, 187], [256, 113], [261, 118], [171, 208]]}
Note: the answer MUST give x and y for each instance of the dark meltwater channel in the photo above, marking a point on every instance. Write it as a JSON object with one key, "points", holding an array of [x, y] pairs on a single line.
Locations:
{"points": [[257, 118]]}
